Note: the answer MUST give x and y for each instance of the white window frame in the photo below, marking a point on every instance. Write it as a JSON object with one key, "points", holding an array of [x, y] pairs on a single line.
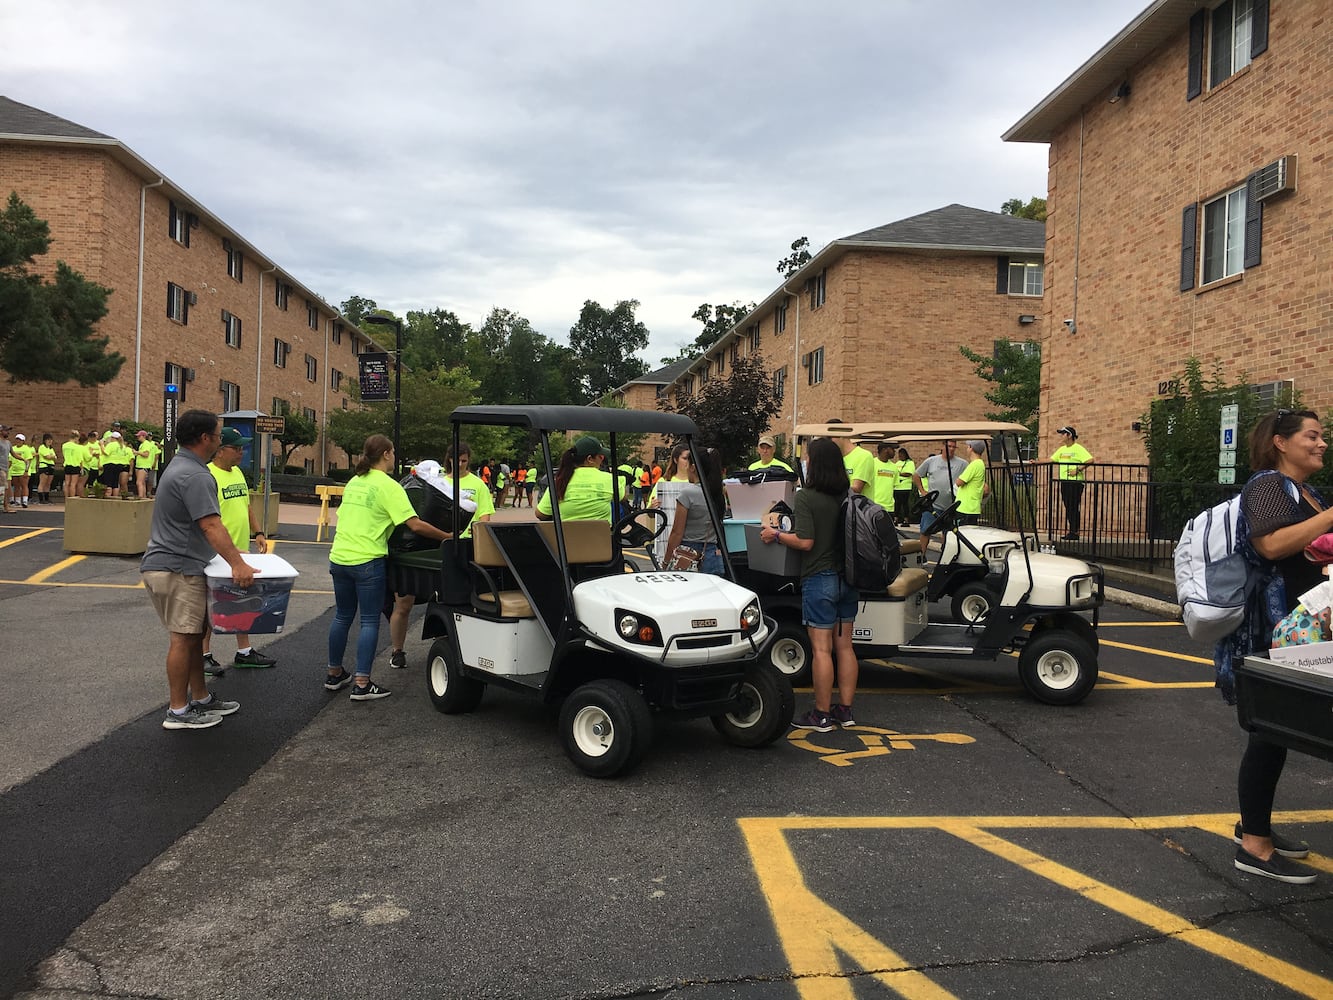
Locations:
{"points": [[1219, 262], [816, 370], [1230, 29], [311, 368], [335, 380], [311, 315], [231, 327], [780, 383], [175, 302], [280, 351], [337, 334], [819, 289], [231, 396], [235, 262], [178, 224], [780, 319], [280, 293], [1027, 278]]}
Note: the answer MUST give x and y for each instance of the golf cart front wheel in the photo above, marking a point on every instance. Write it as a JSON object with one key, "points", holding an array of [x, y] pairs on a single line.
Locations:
{"points": [[973, 601], [1058, 667], [789, 652], [764, 710], [606, 728], [450, 691]]}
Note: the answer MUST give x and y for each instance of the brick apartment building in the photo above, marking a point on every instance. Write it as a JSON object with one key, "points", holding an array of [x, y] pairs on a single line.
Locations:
{"points": [[642, 393], [193, 303], [869, 329], [1178, 223]]}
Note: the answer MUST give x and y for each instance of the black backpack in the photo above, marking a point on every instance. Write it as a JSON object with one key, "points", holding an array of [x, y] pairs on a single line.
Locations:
{"points": [[871, 552], [431, 506]]}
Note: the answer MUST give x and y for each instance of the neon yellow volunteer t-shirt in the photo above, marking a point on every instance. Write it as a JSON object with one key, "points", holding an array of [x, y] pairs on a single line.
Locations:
{"points": [[587, 497], [886, 481], [234, 504], [974, 482], [372, 506], [860, 464]]}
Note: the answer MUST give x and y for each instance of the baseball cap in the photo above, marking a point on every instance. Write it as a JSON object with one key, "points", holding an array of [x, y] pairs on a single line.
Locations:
{"points": [[115, 434], [115, 423], [978, 446], [586, 447], [142, 434], [231, 438], [1066, 429], [769, 440]]}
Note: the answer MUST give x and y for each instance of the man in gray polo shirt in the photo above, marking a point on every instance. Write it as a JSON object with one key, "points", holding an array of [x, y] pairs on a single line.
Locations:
{"points": [[186, 531], [941, 472]]}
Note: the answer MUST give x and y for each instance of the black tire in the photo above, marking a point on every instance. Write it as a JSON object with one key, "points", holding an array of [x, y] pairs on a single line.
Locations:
{"points": [[450, 691], [973, 602], [1057, 667], [606, 728], [789, 652], [766, 709]]}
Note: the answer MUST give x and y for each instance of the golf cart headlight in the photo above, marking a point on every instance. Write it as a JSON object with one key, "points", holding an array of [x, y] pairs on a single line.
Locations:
{"points": [[750, 617], [637, 628], [628, 626]]}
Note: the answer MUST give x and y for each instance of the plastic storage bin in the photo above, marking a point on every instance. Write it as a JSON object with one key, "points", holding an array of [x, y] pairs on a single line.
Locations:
{"points": [[1286, 705], [261, 608], [735, 531], [776, 559], [751, 501]]}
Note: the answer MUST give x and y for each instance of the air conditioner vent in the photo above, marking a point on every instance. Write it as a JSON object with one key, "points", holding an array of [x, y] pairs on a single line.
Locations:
{"points": [[1277, 177], [191, 298], [189, 374]]}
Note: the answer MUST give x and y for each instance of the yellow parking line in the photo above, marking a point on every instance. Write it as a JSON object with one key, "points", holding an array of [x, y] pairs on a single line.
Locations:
{"points": [[23, 538], [53, 570], [1155, 652], [1103, 625]]}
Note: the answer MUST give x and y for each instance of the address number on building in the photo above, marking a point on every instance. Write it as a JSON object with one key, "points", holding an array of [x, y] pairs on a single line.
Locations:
{"points": [[270, 425]]}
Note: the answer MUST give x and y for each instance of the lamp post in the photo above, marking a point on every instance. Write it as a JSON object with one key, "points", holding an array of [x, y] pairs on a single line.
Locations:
{"points": [[397, 384]]}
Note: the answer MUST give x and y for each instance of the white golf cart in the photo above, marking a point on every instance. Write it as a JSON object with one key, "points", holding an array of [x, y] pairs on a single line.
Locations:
{"points": [[1043, 606], [553, 608]]}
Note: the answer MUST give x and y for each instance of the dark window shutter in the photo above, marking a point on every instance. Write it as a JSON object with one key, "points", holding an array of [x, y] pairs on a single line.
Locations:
{"points": [[170, 286], [1254, 225], [171, 219], [1197, 23], [1189, 234], [1001, 275], [1259, 28]]}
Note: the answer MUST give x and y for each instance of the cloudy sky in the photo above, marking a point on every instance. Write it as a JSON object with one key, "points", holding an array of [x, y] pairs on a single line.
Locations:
{"points": [[439, 153]]}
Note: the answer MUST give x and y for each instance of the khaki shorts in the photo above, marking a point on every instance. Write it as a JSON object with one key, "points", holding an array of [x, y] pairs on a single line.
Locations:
{"points": [[181, 601]]}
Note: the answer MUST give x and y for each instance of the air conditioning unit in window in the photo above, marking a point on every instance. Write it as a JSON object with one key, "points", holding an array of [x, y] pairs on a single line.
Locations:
{"points": [[1277, 177], [222, 385], [805, 361], [191, 299], [189, 374]]}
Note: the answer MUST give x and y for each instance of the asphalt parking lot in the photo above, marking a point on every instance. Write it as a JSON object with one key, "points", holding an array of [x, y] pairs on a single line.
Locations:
{"points": [[962, 841]]}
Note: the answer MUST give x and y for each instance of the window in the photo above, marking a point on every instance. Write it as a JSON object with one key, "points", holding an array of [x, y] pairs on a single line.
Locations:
{"points": [[1224, 236], [356, 344], [308, 413], [178, 304], [311, 315], [231, 396], [1025, 277], [722, 362], [754, 338], [280, 406], [735, 353], [231, 328], [703, 373], [280, 293], [780, 318], [309, 464], [780, 383], [818, 289], [179, 223], [337, 335], [335, 380], [280, 351], [235, 261], [815, 372], [311, 368], [1229, 44]]}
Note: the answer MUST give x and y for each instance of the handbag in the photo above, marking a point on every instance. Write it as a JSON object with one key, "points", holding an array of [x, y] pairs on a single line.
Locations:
{"points": [[683, 559]]}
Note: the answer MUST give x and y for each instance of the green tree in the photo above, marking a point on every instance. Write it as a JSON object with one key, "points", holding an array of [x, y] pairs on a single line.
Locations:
{"points": [[1013, 375], [435, 338], [299, 431], [731, 412], [800, 256], [1034, 208], [47, 328], [429, 397], [607, 342], [717, 321], [355, 308]]}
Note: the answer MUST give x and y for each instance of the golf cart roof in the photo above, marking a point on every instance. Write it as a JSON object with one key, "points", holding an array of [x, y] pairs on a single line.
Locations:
{"points": [[577, 418], [936, 430]]}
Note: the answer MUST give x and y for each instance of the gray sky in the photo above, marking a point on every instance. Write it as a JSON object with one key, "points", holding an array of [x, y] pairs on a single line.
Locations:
{"points": [[534, 155]]}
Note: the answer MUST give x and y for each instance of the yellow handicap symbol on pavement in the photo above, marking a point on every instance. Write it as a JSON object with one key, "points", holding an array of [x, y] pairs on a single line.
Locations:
{"points": [[874, 743]]}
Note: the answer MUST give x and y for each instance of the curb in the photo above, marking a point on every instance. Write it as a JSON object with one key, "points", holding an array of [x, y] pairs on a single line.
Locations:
{"points": [[1151, 605]]}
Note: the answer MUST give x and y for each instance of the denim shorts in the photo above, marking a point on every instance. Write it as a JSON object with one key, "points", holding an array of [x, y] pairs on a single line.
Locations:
{"points": [[826, 600]]}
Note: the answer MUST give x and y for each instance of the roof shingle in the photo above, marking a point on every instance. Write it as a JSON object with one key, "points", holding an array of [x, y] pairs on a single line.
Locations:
{"points": [[20, 119], [958, 226]]}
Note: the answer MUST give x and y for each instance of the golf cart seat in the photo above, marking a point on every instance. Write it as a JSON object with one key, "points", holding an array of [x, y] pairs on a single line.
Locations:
{"points": [[913, 545], [489, 599], [586, 542], [908, 582]]}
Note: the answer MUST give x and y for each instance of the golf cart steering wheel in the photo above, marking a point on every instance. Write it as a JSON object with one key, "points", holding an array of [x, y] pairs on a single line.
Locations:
{"points": [[923, 503], [633, 533], [946, 521]]}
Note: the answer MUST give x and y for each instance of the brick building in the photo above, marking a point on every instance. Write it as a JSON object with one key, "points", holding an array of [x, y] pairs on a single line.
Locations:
{"points": [[1176, 225], [642, 393], [869, 328], [192, 303]]}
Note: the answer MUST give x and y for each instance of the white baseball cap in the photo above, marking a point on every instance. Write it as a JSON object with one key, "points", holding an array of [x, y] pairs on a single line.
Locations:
{"points": [[19, 437], [115, 434]]}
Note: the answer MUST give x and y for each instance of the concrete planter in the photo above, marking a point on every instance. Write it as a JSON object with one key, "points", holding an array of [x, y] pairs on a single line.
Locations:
{"points": [[268, 519], [107, 527]]}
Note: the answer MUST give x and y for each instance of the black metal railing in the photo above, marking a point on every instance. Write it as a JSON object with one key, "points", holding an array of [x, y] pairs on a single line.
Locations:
{"points": [[1125, 515]]}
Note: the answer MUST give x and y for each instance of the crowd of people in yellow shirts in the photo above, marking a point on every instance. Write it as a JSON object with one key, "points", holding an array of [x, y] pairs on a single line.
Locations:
{"points": [[123, 466]]}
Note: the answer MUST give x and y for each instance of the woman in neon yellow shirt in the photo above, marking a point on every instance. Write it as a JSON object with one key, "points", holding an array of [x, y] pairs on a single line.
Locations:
{"points": [[373, 504], [584, 490]]}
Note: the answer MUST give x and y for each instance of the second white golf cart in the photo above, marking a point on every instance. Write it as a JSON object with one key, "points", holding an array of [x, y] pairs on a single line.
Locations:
{"points": [[554, 609], [1043, 606]]}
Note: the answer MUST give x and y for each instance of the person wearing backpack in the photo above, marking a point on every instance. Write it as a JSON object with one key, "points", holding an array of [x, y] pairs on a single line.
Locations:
{"points": [[1281, 521], [828, 604]]}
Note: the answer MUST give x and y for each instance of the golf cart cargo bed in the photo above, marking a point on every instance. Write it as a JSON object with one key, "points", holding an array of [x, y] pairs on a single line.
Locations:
{"points": [[1286, 705]]}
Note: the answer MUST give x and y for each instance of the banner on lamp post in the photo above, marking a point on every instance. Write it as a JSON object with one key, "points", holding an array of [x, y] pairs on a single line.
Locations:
{"points": [[375, 381]]}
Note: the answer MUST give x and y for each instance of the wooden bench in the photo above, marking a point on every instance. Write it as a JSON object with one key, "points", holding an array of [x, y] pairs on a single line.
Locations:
{"points": [[324, 492]]}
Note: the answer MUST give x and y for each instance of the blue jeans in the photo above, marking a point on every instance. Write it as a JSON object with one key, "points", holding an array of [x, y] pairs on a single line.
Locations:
{"points": [[354, 587]]}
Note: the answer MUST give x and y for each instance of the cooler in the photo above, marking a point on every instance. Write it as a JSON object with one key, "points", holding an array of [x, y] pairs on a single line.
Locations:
{"points": [[751, 501], [1286, 705], [261, 608]]}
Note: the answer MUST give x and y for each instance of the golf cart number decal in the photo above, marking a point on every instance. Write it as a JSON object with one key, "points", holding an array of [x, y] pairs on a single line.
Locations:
{"points": [[661, 578], [863, 634], [704, 623]]}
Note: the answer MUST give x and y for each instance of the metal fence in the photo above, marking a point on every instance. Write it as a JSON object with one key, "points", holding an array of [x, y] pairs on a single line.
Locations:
{"points": [[1126, 517]]}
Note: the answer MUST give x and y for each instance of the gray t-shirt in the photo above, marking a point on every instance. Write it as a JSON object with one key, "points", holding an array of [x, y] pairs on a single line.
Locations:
{"points": [[186, 492], [698, 525], [938, 478], [4, 453]]}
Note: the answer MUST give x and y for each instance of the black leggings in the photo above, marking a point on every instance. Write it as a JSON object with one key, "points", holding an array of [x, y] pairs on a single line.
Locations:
{"points": [[1260, 769], [1071, 492]]}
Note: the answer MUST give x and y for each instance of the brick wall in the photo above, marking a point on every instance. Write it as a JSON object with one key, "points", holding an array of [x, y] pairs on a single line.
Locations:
{"points": [[1144, 159]]}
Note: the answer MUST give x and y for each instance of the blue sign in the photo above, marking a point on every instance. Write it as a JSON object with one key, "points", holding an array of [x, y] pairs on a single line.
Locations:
{"points": [[1228, 437]]}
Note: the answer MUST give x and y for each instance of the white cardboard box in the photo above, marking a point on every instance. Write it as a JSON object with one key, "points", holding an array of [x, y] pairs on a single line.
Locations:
{"points": [[1316, 657]]}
